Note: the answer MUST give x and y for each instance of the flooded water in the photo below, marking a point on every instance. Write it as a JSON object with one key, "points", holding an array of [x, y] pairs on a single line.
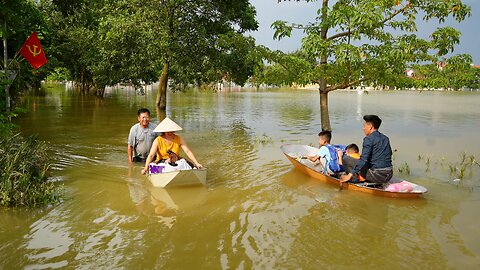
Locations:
{"points": [[256, 211]]}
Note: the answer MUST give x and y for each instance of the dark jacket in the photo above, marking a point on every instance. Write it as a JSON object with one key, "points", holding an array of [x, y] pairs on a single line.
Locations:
{"points": [[376, 152]]}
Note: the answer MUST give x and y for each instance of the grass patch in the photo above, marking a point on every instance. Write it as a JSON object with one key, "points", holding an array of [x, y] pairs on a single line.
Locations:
{"points": [[404, 169], [25, 164], [263, 140]]}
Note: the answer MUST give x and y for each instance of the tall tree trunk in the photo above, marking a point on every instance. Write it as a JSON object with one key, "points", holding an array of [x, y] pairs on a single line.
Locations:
{"points": [[322, 84], [100, 92], [324, 115], [161, 100]]}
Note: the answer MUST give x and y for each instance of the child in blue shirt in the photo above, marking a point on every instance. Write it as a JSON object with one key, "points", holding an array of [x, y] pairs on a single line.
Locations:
{"points": [[328, 155]]}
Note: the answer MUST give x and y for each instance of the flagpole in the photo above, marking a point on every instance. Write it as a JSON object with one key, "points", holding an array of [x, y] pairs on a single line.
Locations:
{"points": [[18, 51]]}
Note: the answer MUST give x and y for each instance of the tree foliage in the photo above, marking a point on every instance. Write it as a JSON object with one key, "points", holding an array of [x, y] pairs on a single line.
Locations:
{"points": [[358, 41], [189, 41], [18, 19], [104, 42]]}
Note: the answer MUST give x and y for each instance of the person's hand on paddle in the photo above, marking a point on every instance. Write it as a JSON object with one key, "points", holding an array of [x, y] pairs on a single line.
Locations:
{"points": [[199, 166], [144, 171]]}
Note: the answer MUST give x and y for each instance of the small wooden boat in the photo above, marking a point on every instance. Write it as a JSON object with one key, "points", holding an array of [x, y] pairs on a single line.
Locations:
{"points": [[179, 178], [294, 152]]}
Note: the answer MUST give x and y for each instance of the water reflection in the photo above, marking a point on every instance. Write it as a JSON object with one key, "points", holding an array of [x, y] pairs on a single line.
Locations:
{"points": [[46, 242], [360, 114], [165, 204]]}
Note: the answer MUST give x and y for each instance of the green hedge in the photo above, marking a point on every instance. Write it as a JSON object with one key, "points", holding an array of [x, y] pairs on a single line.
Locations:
{"points": [[25, 163]]}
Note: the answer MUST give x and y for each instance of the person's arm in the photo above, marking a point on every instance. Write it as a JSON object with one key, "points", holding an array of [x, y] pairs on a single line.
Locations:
{"points": [[340, 157], [130, 153], [151, 155], [131, 143], [189, 153], [317, 158], [366, 153]]}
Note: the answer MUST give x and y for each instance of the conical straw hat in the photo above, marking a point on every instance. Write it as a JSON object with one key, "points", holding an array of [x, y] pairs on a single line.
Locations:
{"points": [[167, 125]]}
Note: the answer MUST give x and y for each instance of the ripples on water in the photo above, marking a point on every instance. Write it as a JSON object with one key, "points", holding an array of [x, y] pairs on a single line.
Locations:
{"points": [[256, 212]]}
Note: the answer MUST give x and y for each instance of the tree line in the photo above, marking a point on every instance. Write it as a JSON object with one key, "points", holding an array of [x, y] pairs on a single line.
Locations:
{"points": [[98, 43], [453, 73]]}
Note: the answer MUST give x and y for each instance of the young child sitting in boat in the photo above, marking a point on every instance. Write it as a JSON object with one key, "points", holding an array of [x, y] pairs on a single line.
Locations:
{"points": [[175, 163], [350, 159], [328, 155]]}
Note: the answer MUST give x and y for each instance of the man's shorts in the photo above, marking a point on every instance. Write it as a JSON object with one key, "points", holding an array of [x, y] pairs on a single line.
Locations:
{"points": [[381, 175], [138, 159]]}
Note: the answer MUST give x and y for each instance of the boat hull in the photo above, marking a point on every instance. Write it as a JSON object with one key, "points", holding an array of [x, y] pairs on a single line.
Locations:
{"points": [[179, 178], [291, 151]]}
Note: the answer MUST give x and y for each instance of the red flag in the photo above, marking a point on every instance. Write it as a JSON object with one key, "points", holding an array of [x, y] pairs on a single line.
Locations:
{"points": [[33, 52]]}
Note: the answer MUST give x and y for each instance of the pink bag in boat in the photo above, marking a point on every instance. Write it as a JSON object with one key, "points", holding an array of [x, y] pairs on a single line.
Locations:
{"points": [[400, 187]]}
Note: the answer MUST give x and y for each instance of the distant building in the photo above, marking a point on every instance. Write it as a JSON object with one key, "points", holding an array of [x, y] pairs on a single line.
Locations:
{"points": [[410, 73], [441, 65]]}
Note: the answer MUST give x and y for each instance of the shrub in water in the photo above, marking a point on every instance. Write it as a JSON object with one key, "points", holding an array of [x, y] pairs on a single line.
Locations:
{"points": [[23, 178]]}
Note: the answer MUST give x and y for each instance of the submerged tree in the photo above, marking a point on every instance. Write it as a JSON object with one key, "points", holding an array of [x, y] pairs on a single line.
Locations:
{"points": [[359, 41], [105, 42], [194, 30], [183, 38]]}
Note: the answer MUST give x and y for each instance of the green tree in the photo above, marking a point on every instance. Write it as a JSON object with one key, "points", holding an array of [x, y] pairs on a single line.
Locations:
{"points": [[18, 19], [237, 58], [71, 36], [358, 41], [101, 42], [475, 84], [183, 38], [284, 69], [459, 71], [104, 42]]}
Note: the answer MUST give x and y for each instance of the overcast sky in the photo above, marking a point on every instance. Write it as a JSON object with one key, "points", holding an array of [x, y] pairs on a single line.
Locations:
{"points": [[269, 11]]}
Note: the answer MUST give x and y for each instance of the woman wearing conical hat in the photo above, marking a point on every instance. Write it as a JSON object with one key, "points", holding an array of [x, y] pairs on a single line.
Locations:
{"points": [[168, 141]]}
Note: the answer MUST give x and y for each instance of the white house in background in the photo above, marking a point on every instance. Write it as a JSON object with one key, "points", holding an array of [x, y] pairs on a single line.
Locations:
{"points": [[409, 72]]}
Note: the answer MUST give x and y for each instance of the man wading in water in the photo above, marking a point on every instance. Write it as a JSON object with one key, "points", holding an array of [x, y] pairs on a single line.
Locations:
{"points": [[141, 137]]}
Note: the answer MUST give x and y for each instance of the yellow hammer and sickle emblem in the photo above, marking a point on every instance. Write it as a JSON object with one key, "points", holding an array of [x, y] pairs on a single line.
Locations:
{"points": [[36, 51]]}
